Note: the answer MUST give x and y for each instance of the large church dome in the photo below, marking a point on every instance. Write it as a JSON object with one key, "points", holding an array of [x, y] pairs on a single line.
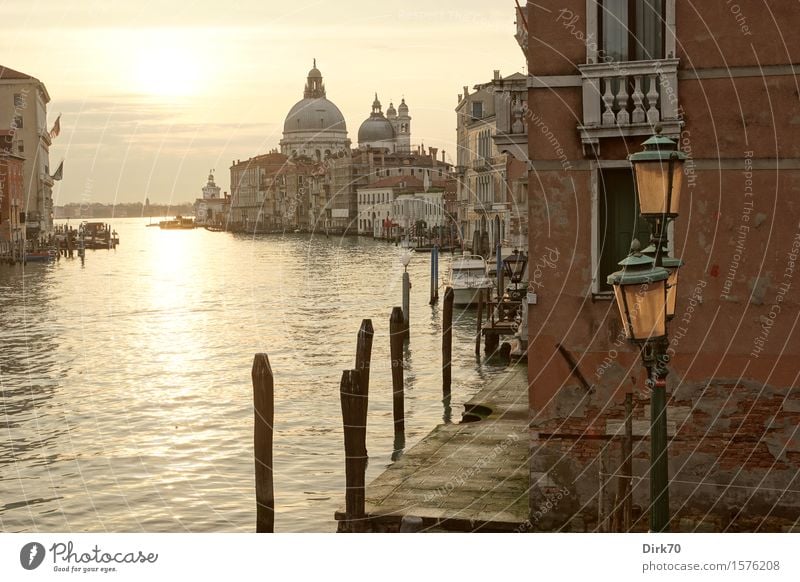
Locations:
{"points": [[314, 127], [314, 114]]}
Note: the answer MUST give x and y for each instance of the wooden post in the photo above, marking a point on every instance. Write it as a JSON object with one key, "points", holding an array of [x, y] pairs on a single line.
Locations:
{"points": [[264, 411], [364, 351], [434, 290], [354, 417], [480, 322], [627, 464], [396, 336], [447, 341], [407, 304], [601, 505], [436, 272]]}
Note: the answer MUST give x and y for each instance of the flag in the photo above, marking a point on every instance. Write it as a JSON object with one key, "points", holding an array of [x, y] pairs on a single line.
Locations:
{"points": [[56, 128], [59, 172]]}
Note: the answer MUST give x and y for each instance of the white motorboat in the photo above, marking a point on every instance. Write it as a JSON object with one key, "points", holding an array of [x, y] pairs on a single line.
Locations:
{"points": [[468, 276]]}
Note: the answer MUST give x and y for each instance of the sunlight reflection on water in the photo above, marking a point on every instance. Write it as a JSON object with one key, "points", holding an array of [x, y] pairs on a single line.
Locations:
{"points": [[126, 395]]}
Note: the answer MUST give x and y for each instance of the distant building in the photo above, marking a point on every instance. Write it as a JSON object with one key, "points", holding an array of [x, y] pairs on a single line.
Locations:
{"points": [[313, 182], [23, 109], [401, 202], [211, 208], [12, 189], [390, 132], [315, 126]]}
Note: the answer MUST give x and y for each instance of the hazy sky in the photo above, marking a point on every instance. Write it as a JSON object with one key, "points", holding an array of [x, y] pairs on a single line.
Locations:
{"points": [[154, 94]]}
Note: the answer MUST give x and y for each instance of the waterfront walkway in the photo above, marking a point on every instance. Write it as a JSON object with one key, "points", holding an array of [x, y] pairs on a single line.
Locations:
{"points": [[471, 476]]}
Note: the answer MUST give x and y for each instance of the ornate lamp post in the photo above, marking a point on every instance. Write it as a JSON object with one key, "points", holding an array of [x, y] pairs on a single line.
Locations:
{"points": [[514, 268], [646, 290]]}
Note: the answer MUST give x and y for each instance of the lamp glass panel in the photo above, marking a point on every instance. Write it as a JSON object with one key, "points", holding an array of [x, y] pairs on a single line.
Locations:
{"points": [[621, 305], [647, 310], [652, 181], [672, 292]]}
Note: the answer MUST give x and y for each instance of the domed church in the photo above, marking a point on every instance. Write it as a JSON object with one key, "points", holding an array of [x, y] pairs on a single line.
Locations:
{"points": [[314, 127], [390, 132]]}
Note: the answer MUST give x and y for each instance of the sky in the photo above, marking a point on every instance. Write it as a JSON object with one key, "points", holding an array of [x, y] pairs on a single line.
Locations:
{"points": [[154, 94]]}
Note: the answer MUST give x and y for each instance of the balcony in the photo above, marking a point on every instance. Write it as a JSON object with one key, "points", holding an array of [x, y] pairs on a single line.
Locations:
{"points": [[628, 99], [511, 108], [480, 163]]}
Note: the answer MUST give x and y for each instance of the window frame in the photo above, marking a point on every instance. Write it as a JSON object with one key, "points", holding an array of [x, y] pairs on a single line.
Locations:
{"points": [[594, 30]]}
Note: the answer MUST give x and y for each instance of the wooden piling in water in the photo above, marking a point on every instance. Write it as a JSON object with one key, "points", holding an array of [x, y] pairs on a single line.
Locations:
{"points": [[264, 412], [407, 304], [479, 323], [396, 336], [354, 418], [364, 351], [447, 341]]}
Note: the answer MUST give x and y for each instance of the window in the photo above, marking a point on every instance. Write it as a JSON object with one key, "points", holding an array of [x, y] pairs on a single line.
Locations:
{"points": [[18, 122], [19, 100], [631, 30], [618, 222], [477, 109], [20, 146]]}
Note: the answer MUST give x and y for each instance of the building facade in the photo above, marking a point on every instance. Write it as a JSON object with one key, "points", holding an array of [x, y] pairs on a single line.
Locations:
{"points": [[602, 76], [484, 211], [390, 132], [23, 109], [12, 192], [212, 209]]}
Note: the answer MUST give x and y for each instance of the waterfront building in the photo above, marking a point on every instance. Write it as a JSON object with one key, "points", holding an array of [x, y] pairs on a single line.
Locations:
{"points": [[23, 109], [212, 209], [12, 190], [729, 98], [400, 202], [490, 181]]}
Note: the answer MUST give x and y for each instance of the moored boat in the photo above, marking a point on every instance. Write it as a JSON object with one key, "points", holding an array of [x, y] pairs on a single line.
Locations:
{"points": [[468, 276]]}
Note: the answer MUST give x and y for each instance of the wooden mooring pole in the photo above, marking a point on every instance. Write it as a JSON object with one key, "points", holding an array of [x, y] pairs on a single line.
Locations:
{"points": [[447, 341], [406, 304], [354, 417], [479, 323], [264, 412], [396, 333], [364, 351]]}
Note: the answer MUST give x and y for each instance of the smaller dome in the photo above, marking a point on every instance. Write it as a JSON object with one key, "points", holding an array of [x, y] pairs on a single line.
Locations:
{"points": [[375, 129], [403, 109], [391, 112]]}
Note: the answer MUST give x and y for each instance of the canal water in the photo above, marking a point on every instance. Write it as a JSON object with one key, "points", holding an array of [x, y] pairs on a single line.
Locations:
{"points": [[126, 402]]}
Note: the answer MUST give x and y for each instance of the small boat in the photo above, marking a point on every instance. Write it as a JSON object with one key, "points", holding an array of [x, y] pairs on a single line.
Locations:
{"points": [[180, 223], [468, 275], [40, 256], [212, 228]]}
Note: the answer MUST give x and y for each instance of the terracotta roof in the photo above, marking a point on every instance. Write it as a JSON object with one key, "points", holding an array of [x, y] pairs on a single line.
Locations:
{"points": [[393, 181], [6, 73]]}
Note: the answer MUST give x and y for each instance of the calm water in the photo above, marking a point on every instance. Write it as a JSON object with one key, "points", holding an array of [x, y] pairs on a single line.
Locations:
{"points": [[126, 396]]}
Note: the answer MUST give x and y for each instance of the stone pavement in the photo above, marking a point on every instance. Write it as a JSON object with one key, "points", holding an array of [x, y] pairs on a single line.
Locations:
{"points": [[471, 476]]}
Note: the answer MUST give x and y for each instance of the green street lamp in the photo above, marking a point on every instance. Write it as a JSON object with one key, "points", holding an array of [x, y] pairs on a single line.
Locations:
{"points": [[672, 265], [646, 293], [658, 178], [641, 289]]}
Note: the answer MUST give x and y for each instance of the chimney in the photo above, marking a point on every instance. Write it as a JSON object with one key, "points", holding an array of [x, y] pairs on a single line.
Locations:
{"points": [[443, 157], [496, 74], [433, 152], [466, 91]]}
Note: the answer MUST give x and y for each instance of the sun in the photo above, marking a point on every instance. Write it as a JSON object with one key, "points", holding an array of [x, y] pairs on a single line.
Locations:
{"points": [[167, 69]]}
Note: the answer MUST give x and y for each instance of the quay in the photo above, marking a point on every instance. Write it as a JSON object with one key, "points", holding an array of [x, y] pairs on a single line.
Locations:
{"points": [[467, 477]]}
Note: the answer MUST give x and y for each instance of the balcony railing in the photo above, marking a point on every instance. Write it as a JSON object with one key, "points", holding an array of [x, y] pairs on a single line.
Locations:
{"points": [[481, 163], [629, 98]]}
